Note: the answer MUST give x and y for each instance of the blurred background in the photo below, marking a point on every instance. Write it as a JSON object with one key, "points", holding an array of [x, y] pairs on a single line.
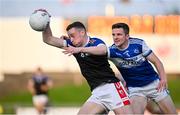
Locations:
{"points": [[22, 49]]}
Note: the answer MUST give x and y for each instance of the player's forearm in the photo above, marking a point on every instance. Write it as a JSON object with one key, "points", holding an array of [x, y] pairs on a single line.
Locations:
{"points": [[160, 68], [32, 91], [47, 34], [158, 64], [98, 50], [51, 40]]}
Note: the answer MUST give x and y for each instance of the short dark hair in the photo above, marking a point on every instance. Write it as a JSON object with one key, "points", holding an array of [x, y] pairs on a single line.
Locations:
{"points": [[76, 25], [121, 25]]}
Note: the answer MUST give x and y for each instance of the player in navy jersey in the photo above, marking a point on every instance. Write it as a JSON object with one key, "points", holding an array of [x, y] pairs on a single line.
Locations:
{"points": [[107, 91], [132, 57], [39, 86]]}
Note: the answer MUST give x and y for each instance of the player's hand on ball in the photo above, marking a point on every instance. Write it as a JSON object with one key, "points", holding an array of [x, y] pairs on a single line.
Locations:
{"points": [[39, 20], [43, 10]]}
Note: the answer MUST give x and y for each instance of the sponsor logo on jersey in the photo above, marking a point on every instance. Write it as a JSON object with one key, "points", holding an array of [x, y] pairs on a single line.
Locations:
{"points": [[129, 62], [84, 55]]}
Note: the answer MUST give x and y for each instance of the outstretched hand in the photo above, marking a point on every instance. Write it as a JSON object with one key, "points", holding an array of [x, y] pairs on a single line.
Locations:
{"points": [[71, 50]]}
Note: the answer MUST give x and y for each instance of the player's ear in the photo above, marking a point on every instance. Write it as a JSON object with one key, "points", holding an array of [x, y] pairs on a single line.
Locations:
{"points": [[82, 32], [127, 36]]}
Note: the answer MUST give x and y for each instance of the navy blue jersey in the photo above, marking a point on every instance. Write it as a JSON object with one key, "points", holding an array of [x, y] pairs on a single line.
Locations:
{"points": [[38, 82], [95, 68], [132, 63]]}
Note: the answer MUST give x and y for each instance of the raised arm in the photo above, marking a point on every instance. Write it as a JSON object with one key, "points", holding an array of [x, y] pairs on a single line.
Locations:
{"points": [[51, 40], [48, 36]]}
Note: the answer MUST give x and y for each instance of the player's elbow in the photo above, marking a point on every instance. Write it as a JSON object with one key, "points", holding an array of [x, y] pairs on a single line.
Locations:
{"points": [[101, 49], [104, 50], [47, 40]]}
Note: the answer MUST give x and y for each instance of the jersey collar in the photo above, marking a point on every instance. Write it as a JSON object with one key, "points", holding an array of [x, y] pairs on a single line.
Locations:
{"points": [[86, 42]]}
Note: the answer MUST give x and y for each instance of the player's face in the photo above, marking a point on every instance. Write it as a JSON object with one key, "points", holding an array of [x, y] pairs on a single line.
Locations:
{"points": [[119, 37], [76, 36]]}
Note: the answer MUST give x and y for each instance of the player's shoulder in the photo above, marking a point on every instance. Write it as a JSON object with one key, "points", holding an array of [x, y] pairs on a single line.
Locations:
{"points": [[113, 46], [136, 41], [95, 40]]}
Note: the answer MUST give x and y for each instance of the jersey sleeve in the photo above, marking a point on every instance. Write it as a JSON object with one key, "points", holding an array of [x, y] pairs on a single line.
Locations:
{"points": [[145, 49], [110, 51], [67, 42], [97, 42]]}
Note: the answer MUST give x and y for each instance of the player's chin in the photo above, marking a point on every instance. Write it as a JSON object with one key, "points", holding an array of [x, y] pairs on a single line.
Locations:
{"points": [[76, 44], [117, 43]]}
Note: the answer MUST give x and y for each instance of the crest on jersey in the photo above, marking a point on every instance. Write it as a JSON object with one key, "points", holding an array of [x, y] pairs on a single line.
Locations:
{"points": [[136, 51], [84, 54], [91, 41]]}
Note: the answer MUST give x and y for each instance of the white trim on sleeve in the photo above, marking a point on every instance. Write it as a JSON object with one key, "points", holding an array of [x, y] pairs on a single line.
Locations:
{"points": [[65, 43], [108, 52]]}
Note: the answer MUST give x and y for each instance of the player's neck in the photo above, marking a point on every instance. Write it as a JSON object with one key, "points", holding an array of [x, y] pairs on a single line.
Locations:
{"points": [[85, 41]]}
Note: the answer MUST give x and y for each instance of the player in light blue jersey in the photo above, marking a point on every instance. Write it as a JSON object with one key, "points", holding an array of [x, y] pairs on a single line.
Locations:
{"points": [[132, 57]]}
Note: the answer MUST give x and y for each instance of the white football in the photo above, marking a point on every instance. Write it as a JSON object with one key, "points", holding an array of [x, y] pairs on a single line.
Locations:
{"points": [[39, 20]]}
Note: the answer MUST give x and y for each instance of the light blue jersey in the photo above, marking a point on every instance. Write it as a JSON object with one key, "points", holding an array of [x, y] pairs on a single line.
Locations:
{"points": [[132, 63]]}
